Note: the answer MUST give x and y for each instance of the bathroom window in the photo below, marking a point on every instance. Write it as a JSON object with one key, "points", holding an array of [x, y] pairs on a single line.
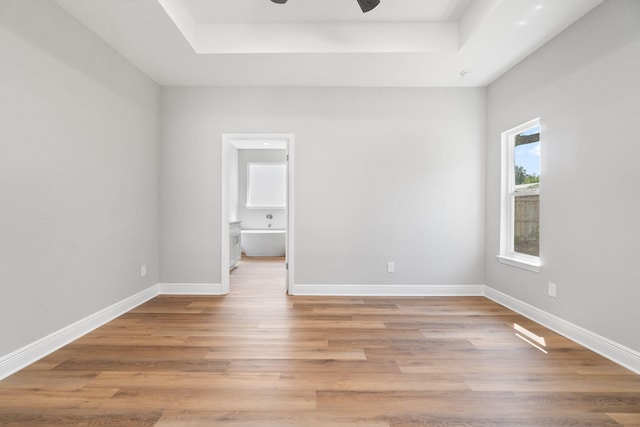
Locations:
{"points": [[267, 185], [520, 213]]}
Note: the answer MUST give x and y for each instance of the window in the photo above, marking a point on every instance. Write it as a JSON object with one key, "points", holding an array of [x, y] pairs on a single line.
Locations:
{"points": [[267, 185], [520, 213]]}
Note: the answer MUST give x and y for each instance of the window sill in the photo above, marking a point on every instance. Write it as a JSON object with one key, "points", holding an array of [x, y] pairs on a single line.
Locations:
{"points": [[265, 207], [520, 263]]}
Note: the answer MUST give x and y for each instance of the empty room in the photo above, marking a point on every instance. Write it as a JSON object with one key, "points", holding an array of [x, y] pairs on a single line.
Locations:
{"points": [[324, 213]]}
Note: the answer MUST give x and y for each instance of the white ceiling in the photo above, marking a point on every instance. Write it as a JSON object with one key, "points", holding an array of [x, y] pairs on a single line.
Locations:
{"points": [[401, 43], [234, 11]]}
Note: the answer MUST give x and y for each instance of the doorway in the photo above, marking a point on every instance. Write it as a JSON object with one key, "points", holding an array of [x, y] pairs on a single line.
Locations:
{"points": [[231, 144]]}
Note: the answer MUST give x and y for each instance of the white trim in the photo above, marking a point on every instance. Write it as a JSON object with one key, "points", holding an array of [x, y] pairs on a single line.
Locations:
{"points": [[613, 351], [191, 288], [224, 214], [290, 211], [241, 140], [521, 263], [31, 353], [35, 351], [386, 290], [265, 207], [508, 195]]}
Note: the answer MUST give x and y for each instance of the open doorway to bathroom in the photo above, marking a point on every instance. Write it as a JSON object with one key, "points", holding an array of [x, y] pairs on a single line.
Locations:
{"points": [[257, 209]]}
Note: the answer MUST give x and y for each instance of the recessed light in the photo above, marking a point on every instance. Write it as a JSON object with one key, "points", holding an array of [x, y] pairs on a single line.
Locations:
{"points": [[265, 143], [466, 72]]}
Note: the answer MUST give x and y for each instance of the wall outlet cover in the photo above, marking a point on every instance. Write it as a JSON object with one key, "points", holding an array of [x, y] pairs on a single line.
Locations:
{"points": [[552, 289]]}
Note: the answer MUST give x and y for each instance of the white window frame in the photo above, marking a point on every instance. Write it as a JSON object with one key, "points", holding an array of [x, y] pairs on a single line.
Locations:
{"points": [[507, 253], [253, 205]]}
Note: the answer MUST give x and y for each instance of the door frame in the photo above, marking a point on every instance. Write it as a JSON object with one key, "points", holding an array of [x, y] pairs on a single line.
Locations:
{"points": [[228, 140]]}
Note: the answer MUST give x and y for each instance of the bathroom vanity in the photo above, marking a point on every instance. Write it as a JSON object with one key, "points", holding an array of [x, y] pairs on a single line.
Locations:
{"points": [[234, 243]]}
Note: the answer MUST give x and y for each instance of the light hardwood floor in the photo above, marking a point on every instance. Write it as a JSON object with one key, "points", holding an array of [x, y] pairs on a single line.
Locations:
{"points": [[258, 357]]}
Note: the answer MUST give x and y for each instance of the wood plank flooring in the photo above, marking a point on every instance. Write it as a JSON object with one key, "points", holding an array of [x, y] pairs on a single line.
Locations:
{"points": [[258, 357]]}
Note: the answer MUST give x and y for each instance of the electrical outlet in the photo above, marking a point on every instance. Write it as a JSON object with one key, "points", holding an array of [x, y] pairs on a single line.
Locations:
{"points": [[552, 289], [391, 267], [143, 270]]}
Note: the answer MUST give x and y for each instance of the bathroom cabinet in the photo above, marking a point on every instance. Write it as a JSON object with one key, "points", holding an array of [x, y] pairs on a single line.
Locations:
{"points": [[234, 244]]}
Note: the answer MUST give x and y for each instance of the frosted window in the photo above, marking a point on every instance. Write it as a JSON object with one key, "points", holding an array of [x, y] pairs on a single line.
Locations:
{"points": [[267, 185]]}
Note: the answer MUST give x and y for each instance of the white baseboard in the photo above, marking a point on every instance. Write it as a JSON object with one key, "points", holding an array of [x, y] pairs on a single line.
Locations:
{"points": [[35, 351], [190, 289], [613, 351], [386, 290], [30, 353]]}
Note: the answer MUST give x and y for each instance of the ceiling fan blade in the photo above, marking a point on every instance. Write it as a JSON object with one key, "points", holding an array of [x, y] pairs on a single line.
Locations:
{"points": [[367, 5]]}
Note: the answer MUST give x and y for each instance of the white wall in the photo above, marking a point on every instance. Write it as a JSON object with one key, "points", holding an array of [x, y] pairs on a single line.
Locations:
{"points": [[256, 218], [78, 174], [584, 86], [380, 175]]}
